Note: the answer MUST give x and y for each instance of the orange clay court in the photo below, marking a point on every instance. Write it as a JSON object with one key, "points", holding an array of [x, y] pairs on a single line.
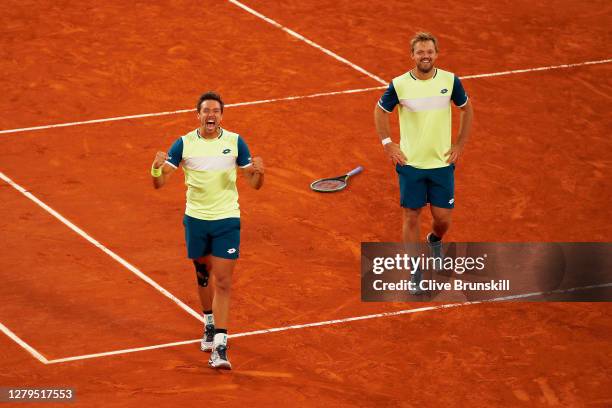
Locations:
{"points": [[111, 311]]}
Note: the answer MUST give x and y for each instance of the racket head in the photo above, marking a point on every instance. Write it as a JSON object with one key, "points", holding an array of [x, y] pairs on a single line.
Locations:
{"points": [[329, 185]]}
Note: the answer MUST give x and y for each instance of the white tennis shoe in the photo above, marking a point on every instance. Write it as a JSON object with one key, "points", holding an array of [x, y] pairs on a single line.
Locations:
{"points": [[218, 357]]}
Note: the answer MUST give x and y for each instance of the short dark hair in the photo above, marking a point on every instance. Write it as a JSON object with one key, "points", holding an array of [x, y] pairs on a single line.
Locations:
{"points": [[422, 37], [209, 96]]}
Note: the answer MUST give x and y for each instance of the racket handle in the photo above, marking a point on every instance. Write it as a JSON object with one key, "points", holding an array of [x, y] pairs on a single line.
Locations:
{"points": [[356, 170]]}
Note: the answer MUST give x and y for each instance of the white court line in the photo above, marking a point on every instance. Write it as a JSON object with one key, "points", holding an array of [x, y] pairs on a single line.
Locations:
{"points": [[290, 98], [98, 245], [88, 122], [147, 115], [124, 351], [307, 41], [23, 344], [331, 322], [521, 71]]}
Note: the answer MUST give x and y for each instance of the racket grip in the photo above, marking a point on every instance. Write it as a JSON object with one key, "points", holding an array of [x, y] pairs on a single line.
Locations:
{"points": [[356, 170]]}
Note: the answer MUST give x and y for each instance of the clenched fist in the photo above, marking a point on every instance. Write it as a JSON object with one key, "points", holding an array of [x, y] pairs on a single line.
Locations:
{"points": [[160, 159], [258, 165]]}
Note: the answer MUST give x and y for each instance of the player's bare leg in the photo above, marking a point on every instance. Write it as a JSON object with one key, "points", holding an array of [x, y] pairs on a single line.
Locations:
{"points": [[222, 270], [410, 224], [206, 293], [441, 223], [410, 234], [441, 220]]}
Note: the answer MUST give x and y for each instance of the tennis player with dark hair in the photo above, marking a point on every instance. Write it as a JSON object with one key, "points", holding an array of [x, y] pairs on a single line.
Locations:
{"points": [[209, 156], [425, 157]]}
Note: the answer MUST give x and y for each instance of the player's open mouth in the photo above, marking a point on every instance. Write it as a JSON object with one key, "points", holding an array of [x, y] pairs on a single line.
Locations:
{"points": [[210, 124]]}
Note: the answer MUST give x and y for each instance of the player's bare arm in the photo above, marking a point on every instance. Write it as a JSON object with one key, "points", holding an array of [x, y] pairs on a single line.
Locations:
{"points": [[465, 125], [255, 173], [383, 128], [160, 171]]}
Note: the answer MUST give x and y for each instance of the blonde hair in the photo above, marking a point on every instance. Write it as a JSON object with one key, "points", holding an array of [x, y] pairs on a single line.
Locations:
{"points": [[421, 37]]}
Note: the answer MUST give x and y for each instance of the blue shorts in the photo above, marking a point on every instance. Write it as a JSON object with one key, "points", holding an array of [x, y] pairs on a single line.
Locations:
{"points": [[421, 186], [220, 238]]}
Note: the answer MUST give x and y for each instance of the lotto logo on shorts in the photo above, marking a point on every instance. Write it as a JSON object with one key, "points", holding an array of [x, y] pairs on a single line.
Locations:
{"points": [[231, 250], [452, 200]]}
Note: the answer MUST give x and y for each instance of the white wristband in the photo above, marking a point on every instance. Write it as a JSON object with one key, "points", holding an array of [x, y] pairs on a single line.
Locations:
{"points": [[386, 141]]}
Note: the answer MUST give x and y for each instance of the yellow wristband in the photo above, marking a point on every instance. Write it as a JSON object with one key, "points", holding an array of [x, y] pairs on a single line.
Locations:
{"points": [[156, 172]]}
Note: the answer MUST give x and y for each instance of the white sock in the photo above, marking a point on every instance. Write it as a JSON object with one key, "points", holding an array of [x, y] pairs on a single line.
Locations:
{"points": [[209, 319]]}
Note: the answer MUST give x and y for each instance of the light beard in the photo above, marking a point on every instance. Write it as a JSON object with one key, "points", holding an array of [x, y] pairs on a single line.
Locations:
{"points": [[421, 70]]}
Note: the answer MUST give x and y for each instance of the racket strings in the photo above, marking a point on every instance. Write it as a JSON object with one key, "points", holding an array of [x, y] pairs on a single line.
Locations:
{"points": [[329, 185]]}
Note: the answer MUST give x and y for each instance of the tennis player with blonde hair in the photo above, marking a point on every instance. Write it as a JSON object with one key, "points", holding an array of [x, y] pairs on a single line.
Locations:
{"points": [[425, 156]]}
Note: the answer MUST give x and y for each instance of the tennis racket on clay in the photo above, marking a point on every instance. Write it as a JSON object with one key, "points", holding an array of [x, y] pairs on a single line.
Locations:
{"points": [[332, 184]]}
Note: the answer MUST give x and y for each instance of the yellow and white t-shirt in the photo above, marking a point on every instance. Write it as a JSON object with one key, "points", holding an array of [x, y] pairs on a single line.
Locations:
{"points": [[424, 115], [210, 172]]}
